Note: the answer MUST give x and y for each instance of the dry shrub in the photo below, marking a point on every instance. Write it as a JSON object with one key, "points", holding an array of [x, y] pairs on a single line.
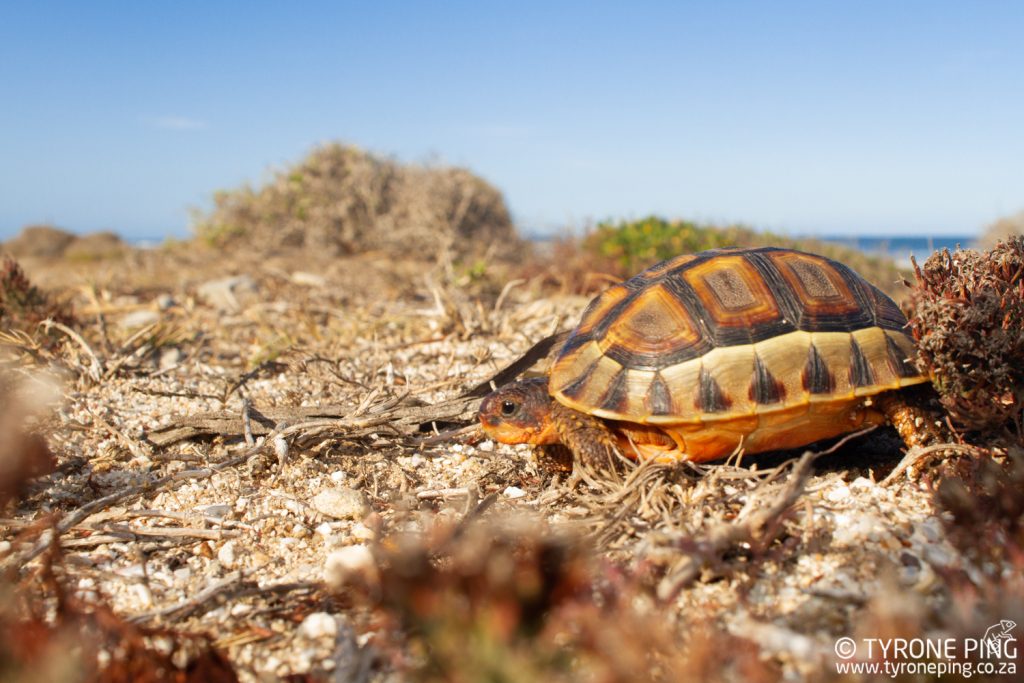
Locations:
{"points": [[342, 200], [39, 241], [96, 246], [24, 455], [614, 251], [23, 305], [1005, 227], [968, 319], [985, 501], [48, 634], [513, 601]]}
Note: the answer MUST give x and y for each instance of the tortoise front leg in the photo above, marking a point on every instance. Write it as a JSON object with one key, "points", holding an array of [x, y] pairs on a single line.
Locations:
{"points": [[586, 436], [916, 422], [554, 458]]}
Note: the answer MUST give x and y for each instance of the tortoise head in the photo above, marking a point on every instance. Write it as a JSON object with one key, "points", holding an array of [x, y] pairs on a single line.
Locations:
{"points": [[519, 413]]}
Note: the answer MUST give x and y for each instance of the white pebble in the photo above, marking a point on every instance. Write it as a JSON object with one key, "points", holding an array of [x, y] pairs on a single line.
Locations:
{"points": [[341, 503], [318, 625], [348, 565], [215, 510], [227, 554], [862, 484], [838, 493], [513, 492], [362, 532], [142, 594], [301, 277]]}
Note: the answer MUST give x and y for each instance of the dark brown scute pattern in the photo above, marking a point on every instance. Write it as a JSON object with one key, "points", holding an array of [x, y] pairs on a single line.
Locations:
{"points": [[887, 314], [808, 292], [710, 398], [616, 398], [860, 369], [816, 377], [765, 389], [901, 365], [659, 400], [821, 295], [730, 290], [575, 389]]}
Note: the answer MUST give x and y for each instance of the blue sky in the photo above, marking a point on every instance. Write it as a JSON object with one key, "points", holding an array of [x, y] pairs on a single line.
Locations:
{"points": [[817, 117]]}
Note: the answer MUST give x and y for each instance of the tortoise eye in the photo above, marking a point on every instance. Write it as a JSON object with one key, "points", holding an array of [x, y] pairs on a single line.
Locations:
{"points": [[508, 407]]}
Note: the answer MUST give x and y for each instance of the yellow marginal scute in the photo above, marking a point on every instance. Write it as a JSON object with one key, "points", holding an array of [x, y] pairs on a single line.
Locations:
{"points": [[732, 367]]}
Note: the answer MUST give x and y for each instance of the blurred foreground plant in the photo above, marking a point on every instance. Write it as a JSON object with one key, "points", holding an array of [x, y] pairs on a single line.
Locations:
{"points": [[968, 319]]}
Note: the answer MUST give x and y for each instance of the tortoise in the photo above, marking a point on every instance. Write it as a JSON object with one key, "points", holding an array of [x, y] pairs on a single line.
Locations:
{"points": [[724, 351]]}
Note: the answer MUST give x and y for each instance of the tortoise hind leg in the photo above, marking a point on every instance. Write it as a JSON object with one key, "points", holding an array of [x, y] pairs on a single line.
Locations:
{"points": [[908, 410]]}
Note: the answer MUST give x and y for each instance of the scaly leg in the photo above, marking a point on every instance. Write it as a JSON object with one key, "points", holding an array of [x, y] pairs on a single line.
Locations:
{"points": [[917, 423], [589, 439]]}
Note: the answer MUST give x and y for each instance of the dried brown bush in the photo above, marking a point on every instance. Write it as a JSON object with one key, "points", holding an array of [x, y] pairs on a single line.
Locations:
{"points": [[612, 252], [22, 304], [23, 455], [95, 246], [39, 241], [984, 500], [1005, 227], [49, 634], [968, 319], [342, 200], [513, 601]]}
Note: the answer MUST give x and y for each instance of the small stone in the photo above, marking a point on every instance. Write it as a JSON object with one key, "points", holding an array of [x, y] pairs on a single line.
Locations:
{"points": [[301, 277], [862, 484], [838, 493], [341, 503], [142, 595], [216, 511], [318, 625], [170, 356], [223, 293], [351, 564], [325, 530], [164, 301], [513, 492], [138, 319], [932, 529], [227, 554], [362, 532], [5, 547]]}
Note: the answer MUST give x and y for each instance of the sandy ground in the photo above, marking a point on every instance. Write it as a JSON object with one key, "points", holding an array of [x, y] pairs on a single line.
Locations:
{"points": [[238, 534]]}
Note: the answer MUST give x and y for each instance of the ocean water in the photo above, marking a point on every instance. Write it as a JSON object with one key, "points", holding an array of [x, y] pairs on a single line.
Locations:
{"points": [[900, 247]]}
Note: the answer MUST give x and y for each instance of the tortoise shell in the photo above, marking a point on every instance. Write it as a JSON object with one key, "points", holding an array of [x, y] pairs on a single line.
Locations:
{"points": [[735, 336]]}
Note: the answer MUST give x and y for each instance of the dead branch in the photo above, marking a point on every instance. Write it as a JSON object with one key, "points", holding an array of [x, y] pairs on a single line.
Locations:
{"points": [[332, 419], [748, 527]]}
